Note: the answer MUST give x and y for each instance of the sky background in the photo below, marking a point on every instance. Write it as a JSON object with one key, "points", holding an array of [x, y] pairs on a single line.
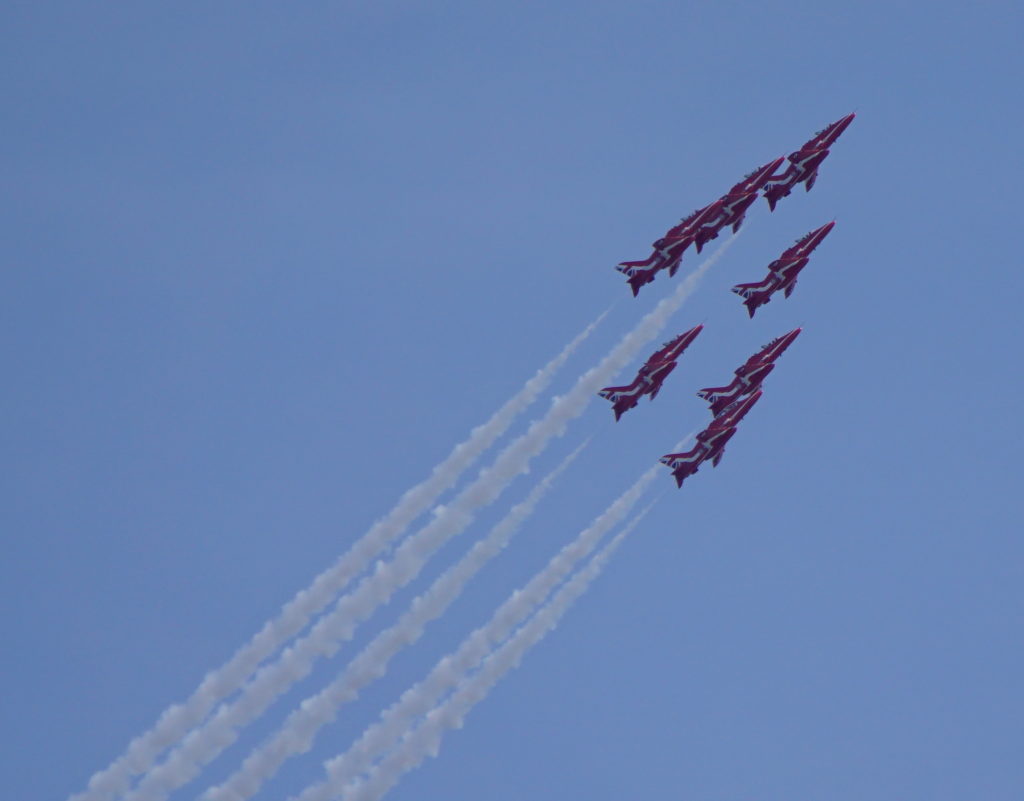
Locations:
{"points": [[266, 263]]}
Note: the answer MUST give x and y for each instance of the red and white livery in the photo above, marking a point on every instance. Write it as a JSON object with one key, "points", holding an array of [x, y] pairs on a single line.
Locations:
{"points": [[804, 163], [748, 377], [710, 445], [652, 375], [731, 208], [668, 252], [783, 272]]}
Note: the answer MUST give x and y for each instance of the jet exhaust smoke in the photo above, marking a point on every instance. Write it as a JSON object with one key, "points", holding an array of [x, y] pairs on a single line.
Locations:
{"points": [[297, 733], [422, 740], [178, 719], [401, 717]]}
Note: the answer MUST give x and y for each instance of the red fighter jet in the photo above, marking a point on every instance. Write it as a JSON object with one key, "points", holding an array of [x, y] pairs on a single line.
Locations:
{"points": [[804, 163], [731, 207], [749, 376], [668, 252], [651, 376], [783, 272], [711, 441]]}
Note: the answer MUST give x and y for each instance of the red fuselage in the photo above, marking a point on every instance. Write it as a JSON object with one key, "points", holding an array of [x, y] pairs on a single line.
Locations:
{"points": [[711, 441], [747, 380], [748, 377], [804, 163], [783, 272], [651, 375], [731, 207]]}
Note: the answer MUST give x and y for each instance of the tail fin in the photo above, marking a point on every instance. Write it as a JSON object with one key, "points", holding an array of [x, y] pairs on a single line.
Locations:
{"points": [[683, 472], [639, 279], [789, 288], [775, 193], [718, 404]]}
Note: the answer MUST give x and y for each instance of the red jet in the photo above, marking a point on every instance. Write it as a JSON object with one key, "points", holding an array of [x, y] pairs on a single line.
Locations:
{"points": [[804, 163], [668, 251], [731, 207], [711, 441], [783, 272], [749, 375], [651, 376]]}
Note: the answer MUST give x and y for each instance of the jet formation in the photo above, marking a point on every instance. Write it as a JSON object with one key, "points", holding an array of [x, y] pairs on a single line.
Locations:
{"points": [[697, 229], [651, 376], [728, 404], [705, 224]]}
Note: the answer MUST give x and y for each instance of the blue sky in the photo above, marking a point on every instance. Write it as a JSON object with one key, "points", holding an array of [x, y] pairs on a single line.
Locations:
{"points": [[267, 264]]}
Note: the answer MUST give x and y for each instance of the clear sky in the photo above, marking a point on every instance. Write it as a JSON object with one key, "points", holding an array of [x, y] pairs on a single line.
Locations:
{"points": [[265, 263]]}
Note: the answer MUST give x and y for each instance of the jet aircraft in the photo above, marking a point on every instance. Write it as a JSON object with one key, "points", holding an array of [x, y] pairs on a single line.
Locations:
{"points": [[731, 207], [710, 445], [804, 163], [748, 377], [652, 375], [783, 272], [668, 252]]}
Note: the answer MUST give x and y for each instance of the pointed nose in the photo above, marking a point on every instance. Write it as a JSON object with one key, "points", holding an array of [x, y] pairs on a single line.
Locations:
{"points": [[840, 125]]}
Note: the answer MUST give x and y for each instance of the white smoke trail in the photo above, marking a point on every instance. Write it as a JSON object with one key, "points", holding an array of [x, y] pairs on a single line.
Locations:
{"points": [[178, 719], [205, 743], [425, 739], [296, 734], [415, 702]]}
